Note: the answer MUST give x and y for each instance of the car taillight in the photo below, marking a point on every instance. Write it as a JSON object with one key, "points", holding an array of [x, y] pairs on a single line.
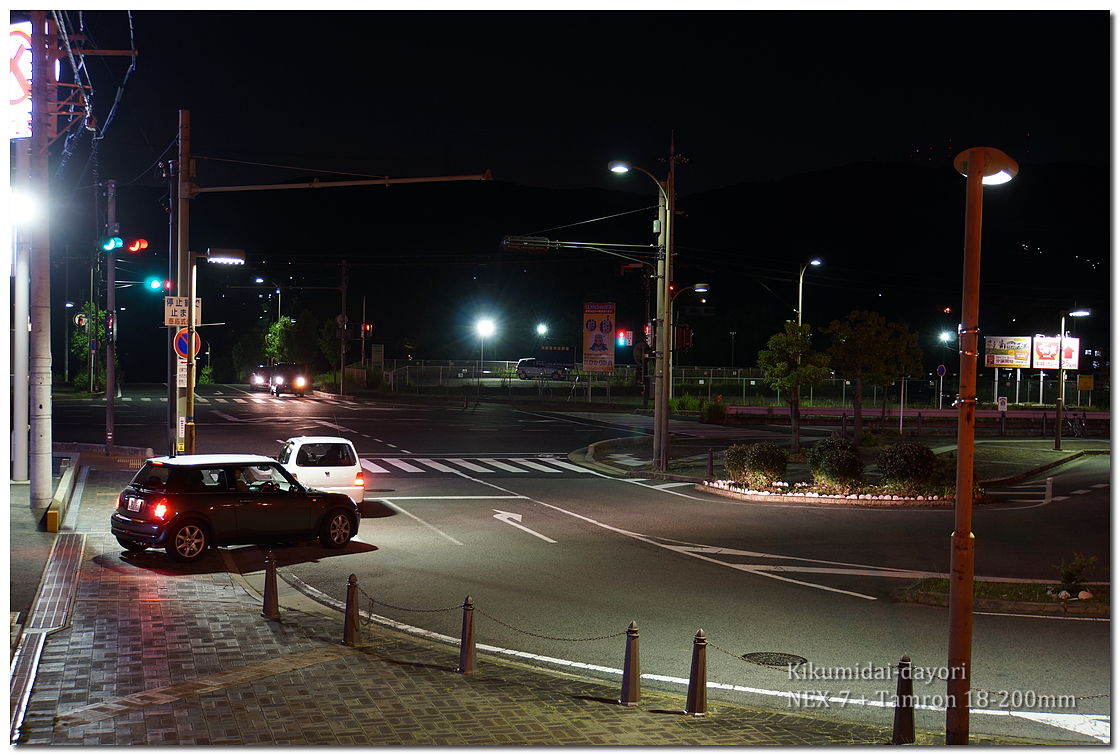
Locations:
{"points": [[120, 501], [359, 480], [161, 509]]}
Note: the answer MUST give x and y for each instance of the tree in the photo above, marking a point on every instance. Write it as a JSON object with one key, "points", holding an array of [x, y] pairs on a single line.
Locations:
{"points": [[277, 342], [867, 349], [80, 351], [789, 364]]}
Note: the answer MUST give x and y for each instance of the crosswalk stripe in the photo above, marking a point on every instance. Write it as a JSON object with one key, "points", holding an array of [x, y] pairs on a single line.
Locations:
{"points": [[506, 467], [534, 465], [367, 464], [468, 465], [402, 465], [437, 465], [572, 467]]}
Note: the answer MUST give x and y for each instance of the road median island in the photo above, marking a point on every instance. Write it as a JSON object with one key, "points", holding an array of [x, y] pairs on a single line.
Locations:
{"points": [[1012, 597]]}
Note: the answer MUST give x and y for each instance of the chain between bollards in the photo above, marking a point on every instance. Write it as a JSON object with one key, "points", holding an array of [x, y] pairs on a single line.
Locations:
{"points": [[697, 702], [904, 704], [466, 641], [350, 630], [631, 669], [271, 608]]}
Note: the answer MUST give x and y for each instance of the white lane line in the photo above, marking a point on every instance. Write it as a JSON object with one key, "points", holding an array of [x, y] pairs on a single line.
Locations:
{"points": [[671, 485], [402, 465], [437, 465], [375, 469], [432, 527], [539, 467], [506, 467], [472, 467]]}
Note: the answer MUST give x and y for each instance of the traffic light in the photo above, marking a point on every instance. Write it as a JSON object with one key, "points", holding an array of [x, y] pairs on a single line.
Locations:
{"points": [[153, 283], [111, 243], [136, 245], [367, 329], [620, 339]]}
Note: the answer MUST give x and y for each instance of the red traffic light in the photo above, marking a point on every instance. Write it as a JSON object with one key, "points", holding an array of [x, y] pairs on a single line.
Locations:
{"points": [[136, 245], [367, 327]]}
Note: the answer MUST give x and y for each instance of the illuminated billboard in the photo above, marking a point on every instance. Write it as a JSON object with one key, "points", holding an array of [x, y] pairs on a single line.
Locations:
{"points": [[598, 331], [19, 80]]}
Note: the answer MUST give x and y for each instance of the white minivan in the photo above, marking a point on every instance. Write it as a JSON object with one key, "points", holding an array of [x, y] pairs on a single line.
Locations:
{"points": [[324, 463]]}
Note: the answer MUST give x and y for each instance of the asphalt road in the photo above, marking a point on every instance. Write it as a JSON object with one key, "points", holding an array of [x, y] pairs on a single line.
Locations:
{"points": [[557, 558]]}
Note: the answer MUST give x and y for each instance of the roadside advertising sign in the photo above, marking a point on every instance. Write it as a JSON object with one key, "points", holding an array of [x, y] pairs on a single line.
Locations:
{"points": [[598, 340], [1046, 353], [1007, 351]]}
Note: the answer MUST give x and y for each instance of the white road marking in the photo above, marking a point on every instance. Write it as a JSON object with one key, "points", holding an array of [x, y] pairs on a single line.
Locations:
{"points": [[375, 469], [438, 466], [473, 467], [534, 465], [432, 527], [514, 520], [506, 467], [402, 465]]}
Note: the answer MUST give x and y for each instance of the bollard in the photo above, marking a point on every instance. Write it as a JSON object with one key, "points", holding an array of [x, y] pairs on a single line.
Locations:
{"points": [[466, 642], [1044, 424], [844, 425], [271, 609], [1049, 490], [350, 631], [711, 473], [631, 671], [904, 705], [697, 703], [1002, 424]]}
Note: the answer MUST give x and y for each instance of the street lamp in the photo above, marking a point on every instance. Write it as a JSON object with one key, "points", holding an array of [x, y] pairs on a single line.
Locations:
{"points": [[663, 363], [259, 279], [980, 165], [815, 262], [1060, 403], [218, 257], [542, 329], [484, 328], [700, 288]]}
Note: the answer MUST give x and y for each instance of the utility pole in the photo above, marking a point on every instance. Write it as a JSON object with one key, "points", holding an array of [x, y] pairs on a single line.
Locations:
{"points": [[184, 403], [342, 322], [112, 229], [39, 364], [20, 319]]}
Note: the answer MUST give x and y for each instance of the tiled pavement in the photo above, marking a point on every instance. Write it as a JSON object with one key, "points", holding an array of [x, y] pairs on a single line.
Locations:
{"points": [[157, 657]]}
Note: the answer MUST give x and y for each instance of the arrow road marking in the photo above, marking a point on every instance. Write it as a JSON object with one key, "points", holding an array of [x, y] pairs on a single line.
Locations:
{"points": [[514, 520]]}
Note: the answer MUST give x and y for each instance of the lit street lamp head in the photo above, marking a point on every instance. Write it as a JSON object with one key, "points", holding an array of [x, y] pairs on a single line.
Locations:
{"points": [[995, 165], [618, 166], [485, 328]]}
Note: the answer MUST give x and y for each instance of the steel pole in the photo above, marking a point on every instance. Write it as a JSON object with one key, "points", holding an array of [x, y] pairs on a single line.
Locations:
{"points": [[21, 288], [184, 431], [962, 553], [112, 229], [1060, 401], [660, 328]]}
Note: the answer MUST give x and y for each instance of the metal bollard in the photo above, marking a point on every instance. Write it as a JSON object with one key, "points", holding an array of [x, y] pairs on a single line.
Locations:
{"points": [[1044, 424], [844, 425], [631, 671], [903, 733], [697, 703], [1002, 424], [711, 473], [350, 630], [466, 642], [271, 608]]}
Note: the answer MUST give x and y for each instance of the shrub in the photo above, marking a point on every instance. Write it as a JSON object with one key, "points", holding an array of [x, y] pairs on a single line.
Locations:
{"points": [[755, 466], [686, 403], [869, 439], [713, 413], [906, 462], [1072, 574], [835, 460]]}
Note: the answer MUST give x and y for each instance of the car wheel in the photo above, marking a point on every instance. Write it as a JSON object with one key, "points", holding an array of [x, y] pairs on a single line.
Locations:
{"points": [[336, 531], [187, 542], [132, 546], [522, 376]]}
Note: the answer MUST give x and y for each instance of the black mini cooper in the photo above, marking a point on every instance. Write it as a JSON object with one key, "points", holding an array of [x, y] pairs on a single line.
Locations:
{"points": [[189, 503]]}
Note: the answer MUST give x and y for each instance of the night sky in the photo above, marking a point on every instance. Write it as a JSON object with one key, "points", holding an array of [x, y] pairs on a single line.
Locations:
{"points": [[544, 100]]}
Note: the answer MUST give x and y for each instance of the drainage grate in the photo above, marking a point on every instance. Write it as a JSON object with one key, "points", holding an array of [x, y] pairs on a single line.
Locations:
{"points": [[775, 660]]}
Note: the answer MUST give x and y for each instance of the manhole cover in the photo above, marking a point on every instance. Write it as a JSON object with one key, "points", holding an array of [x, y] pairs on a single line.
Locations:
{"points": [[775, 660]]}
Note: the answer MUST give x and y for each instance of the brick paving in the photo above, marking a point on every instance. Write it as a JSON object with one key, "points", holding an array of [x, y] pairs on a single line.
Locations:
{"points": [[182, 656]]}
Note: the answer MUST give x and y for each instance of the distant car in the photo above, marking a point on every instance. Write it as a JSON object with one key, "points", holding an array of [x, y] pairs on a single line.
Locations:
{"points": [[324, 462], [188, 503], [290, 378], [530, 367], [260, 378]]}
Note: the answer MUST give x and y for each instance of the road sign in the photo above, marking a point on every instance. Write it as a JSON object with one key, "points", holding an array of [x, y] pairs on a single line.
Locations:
{"points": [[181, 373], [1002, 403], [175, 310], [181, 343], [940, 370]]}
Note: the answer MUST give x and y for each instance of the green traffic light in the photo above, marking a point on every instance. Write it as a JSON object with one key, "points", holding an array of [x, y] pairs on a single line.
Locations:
{"points": [[111, 243], [154, 284]]}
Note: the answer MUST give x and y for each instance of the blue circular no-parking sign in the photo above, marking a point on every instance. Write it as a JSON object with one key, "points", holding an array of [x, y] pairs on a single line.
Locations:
{"points": [[940, 369], [181, 343]]}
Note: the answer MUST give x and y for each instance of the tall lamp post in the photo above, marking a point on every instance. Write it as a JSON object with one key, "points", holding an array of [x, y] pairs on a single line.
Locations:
{"points": [[815, 262], [276, 286], [1060, 403], [666, 208], [219, 257], [484, 328], [980, 165]]}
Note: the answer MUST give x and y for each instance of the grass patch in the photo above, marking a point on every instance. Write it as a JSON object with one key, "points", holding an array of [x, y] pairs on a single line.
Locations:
{"points": [[1019, 591]]}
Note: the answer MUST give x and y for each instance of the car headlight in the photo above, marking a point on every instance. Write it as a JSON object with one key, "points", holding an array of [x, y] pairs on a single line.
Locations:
{"points": [[300, 382]]}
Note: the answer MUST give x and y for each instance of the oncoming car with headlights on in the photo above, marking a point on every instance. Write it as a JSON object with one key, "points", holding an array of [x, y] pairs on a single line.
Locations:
{"points": [[260, 379], [189, 503], [289, 378]]}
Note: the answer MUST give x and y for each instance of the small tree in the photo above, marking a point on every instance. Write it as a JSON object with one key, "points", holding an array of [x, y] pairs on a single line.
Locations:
{"points": [[278, 340], [80, 351], [789, 364]]}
